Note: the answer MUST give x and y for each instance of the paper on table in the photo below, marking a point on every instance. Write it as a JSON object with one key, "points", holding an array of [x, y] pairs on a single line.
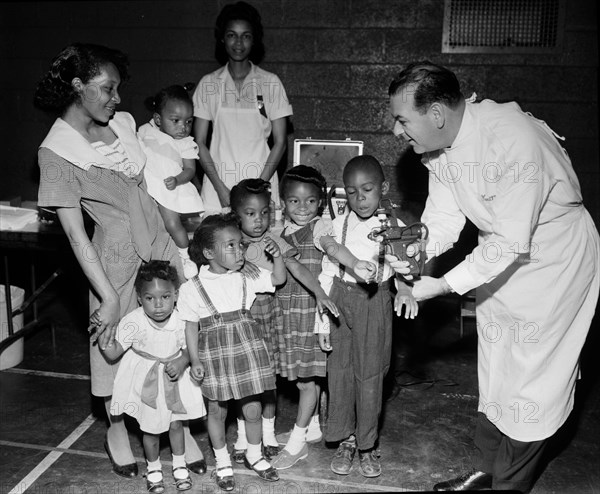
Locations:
{"points": [[16, 218]]}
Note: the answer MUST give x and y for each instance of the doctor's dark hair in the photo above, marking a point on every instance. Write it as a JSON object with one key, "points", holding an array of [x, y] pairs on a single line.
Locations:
{"points": [[204, 236], [55, 92], [429, 83], [305, 174], [157, 102], [246, 188], [239, 11], [151, 270]]}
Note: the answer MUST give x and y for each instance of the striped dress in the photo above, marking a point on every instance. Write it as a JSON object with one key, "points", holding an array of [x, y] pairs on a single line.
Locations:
{"points": [[299, 353]]}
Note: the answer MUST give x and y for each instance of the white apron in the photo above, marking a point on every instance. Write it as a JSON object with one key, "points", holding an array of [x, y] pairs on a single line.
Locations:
{"points": [[239, 148], [533, 315]]}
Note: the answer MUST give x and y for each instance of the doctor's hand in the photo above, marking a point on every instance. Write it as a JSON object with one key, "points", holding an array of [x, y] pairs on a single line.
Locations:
{"points": [[427, 287]]}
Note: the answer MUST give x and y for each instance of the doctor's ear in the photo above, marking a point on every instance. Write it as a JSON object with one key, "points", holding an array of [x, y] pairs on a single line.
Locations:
{"points": [[438, 114]]}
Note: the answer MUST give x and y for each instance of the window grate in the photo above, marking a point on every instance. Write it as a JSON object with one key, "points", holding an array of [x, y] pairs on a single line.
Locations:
{"points": [[502, 26]]}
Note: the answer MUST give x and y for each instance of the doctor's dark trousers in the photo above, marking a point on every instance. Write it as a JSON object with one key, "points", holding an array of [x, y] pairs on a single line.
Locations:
{"points": [[513, 464], [362, 341]]}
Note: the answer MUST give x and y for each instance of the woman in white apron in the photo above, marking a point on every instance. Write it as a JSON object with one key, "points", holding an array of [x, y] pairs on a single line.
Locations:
{"points": [[245, 105]]}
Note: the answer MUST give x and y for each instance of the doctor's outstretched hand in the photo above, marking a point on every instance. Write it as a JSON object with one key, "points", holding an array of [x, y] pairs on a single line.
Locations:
{"points": [[427, 287]]}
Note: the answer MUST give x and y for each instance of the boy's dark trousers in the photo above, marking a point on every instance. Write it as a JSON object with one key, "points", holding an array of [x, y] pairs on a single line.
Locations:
{"points": [[362, 342]]}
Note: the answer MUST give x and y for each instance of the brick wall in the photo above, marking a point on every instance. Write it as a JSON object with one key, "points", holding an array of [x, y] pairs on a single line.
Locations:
{"points": [[335, 58]]}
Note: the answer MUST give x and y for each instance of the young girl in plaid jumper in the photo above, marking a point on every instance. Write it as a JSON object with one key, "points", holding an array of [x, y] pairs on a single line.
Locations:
{"points": [[231, 361]]}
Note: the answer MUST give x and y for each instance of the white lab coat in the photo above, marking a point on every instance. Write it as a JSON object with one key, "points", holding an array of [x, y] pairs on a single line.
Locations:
{"points": [[536, 266]]}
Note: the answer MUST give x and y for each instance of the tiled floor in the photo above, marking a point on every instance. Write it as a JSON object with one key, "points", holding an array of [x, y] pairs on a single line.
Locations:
{"points": [[51, 433]]}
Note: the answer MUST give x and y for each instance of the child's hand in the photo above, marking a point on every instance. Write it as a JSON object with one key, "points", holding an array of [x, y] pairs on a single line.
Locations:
{"points": [[272, 248], [197, 371], [324, 342], [171, 183], [175, 368], [365, 270], [406, 300], [250, 269], [325, 304]]}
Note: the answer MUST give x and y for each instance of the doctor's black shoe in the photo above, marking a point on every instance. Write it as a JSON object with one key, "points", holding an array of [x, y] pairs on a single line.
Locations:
{"points": [[470, 481]]}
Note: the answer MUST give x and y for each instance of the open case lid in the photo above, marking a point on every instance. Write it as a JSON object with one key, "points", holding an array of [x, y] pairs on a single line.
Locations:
{"points": [[329, 157]]}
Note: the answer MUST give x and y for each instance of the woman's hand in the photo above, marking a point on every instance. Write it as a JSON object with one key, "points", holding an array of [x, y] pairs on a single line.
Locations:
{"points": [[104, 320], [175, 367], [197, 371], [171, 183], [223, 193]]}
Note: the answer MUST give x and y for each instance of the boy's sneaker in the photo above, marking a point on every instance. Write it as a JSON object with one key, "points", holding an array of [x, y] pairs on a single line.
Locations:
{"points": [[189, 268], [370, 466], [342, 460]]}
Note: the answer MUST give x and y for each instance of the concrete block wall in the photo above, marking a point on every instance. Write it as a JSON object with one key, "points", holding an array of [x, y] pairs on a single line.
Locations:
{"points": [[335, 58]]}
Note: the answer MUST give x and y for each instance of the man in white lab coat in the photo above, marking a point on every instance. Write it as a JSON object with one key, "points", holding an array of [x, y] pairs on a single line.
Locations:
{"points": [[536, 266]]}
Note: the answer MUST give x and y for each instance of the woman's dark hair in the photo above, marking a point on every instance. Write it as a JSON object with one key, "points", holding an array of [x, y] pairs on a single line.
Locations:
{"points": [[429, 83], [163, 270], [204, 236], [239, 11], [246, 188], [305, 174], [180, 93], [56, 93]]}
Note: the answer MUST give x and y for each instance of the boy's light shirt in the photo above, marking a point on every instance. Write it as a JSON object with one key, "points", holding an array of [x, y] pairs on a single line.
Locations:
{"points": [[360, 245]]}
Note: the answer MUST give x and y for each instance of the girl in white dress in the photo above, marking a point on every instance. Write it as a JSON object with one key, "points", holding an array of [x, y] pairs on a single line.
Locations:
{"points": [[153, 382], [171, 164]]}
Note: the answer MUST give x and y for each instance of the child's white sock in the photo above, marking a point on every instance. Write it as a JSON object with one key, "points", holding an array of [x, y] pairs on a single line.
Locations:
{"points": [[297, 440], [223, 460], [314, 429], [253, 454], [179, 461], [268, 432], [189, 267], [241, 441], [156, 468]]}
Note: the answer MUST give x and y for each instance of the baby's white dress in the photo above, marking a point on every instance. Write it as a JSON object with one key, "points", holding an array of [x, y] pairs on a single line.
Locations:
{"points": [[165, 156]]}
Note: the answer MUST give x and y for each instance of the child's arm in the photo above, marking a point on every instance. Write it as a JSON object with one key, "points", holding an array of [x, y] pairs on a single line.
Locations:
{"points": [[404, 298], [191, 340], [279, 274], [174, 368], [305, 277], [365, 269], [113, 350], [188, 172]]}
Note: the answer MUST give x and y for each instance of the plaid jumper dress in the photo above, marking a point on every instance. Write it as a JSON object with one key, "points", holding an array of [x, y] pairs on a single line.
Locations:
{"points": [[300, 354], [235, 358]]}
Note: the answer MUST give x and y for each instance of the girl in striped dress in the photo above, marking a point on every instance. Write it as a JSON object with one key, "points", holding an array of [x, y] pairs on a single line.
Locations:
{"points": [[231, 360]]}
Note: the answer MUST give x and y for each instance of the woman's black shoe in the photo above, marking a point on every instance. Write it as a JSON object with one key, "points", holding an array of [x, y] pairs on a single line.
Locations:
{"points": [[128, 471]]}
